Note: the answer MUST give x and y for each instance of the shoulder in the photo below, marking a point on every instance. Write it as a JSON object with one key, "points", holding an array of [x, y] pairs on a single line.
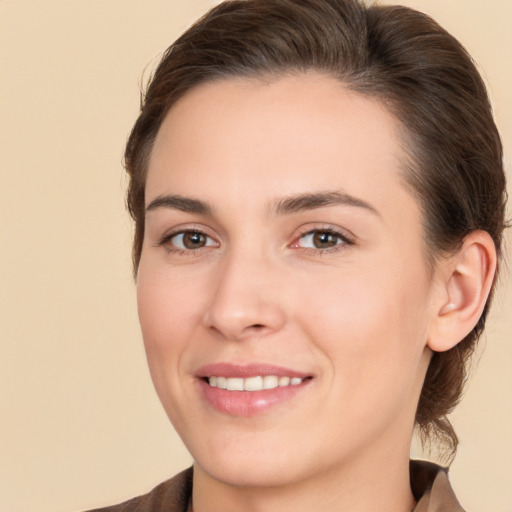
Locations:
{"points": [[432, 489], [170, 496]]}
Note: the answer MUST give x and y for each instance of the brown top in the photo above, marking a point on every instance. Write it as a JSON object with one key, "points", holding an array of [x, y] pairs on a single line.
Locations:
{"points": [[431, 488], [429, 484]]}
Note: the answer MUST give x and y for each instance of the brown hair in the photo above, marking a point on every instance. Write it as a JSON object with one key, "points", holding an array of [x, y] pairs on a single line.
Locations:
{"points": [[395, 54]]}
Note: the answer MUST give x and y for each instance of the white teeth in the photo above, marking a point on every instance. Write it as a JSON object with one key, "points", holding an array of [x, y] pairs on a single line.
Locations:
{"points": [[270, 382], [253, 384], [284, 381], [222, 382], [256, 383], [235, 384]]}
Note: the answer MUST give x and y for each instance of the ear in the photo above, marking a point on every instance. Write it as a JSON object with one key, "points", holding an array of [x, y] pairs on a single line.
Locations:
{"points": [[465, 281]]}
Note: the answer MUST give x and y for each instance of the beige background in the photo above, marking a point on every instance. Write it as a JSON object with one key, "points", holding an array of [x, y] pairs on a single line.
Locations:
{"points": [[80, 425]]}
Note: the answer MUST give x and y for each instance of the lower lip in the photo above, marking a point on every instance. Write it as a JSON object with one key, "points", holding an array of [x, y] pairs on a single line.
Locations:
{"points": [[249, 403]]}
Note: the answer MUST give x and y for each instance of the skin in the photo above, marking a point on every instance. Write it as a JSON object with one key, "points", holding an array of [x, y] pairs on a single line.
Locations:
{"points": [[356, 314]]}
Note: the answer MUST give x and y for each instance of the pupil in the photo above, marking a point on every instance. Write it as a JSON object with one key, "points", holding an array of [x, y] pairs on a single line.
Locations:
{"points": [[323, 240], [194, 240]]}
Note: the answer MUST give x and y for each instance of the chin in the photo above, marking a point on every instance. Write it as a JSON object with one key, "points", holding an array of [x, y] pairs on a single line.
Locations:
{"points": [[250, 473], [258, 464]]}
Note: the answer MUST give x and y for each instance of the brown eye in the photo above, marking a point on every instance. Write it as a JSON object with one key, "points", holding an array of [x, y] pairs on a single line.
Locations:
{"points": [[193, 240], [324, 239], [190, 240]]}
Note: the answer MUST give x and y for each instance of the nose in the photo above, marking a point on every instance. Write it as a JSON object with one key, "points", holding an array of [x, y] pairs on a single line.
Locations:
{"points": [[245, 301]]}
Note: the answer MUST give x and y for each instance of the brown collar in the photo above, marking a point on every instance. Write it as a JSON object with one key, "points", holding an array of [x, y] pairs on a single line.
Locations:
{"points": [[431, 488], [429, 485]]}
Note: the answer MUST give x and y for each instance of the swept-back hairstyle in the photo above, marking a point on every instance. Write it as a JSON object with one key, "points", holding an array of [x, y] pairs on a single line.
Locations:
{"points": [[394, 54]]}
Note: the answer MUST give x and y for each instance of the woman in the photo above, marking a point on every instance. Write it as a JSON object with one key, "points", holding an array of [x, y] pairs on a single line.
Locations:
{"points": [[318, 196]]}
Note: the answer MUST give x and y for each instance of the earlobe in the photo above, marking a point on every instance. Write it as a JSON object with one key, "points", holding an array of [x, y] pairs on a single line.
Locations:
{"points": [[466, 281]]}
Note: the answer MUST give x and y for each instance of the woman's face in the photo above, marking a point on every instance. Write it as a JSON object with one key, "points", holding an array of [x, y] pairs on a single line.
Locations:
{"points": [[282, 248]]}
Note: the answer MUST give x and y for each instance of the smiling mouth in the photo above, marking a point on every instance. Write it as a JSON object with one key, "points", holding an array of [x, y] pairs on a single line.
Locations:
{"points": [[256, 383], [249, 390]]}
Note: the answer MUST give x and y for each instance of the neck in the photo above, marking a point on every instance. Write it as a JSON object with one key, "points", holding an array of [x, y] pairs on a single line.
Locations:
{"points": [[358, 486]]}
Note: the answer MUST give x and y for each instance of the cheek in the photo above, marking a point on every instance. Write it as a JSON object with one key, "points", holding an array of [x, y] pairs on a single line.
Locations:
{"points": [[165, 319], [167, 306], [167, 313], [370, 325]]}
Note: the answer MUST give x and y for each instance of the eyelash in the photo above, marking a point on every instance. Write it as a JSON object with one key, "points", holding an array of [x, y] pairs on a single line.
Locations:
{"points": [[343, 239]]}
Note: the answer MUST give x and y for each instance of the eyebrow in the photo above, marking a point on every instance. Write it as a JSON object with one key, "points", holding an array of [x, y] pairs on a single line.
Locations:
{"points": [[296, 203], [184, 204], [285, 206]]}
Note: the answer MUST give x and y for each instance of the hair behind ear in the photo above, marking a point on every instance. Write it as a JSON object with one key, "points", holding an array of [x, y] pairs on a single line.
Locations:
{"points": [[465, 281]]}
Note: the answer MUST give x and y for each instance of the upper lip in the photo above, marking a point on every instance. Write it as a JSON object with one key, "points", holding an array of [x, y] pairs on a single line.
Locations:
{"points": [[247, 370]]}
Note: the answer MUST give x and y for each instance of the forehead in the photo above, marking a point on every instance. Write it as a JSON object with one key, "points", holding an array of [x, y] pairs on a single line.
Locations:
{"points": [[291, 134]]}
